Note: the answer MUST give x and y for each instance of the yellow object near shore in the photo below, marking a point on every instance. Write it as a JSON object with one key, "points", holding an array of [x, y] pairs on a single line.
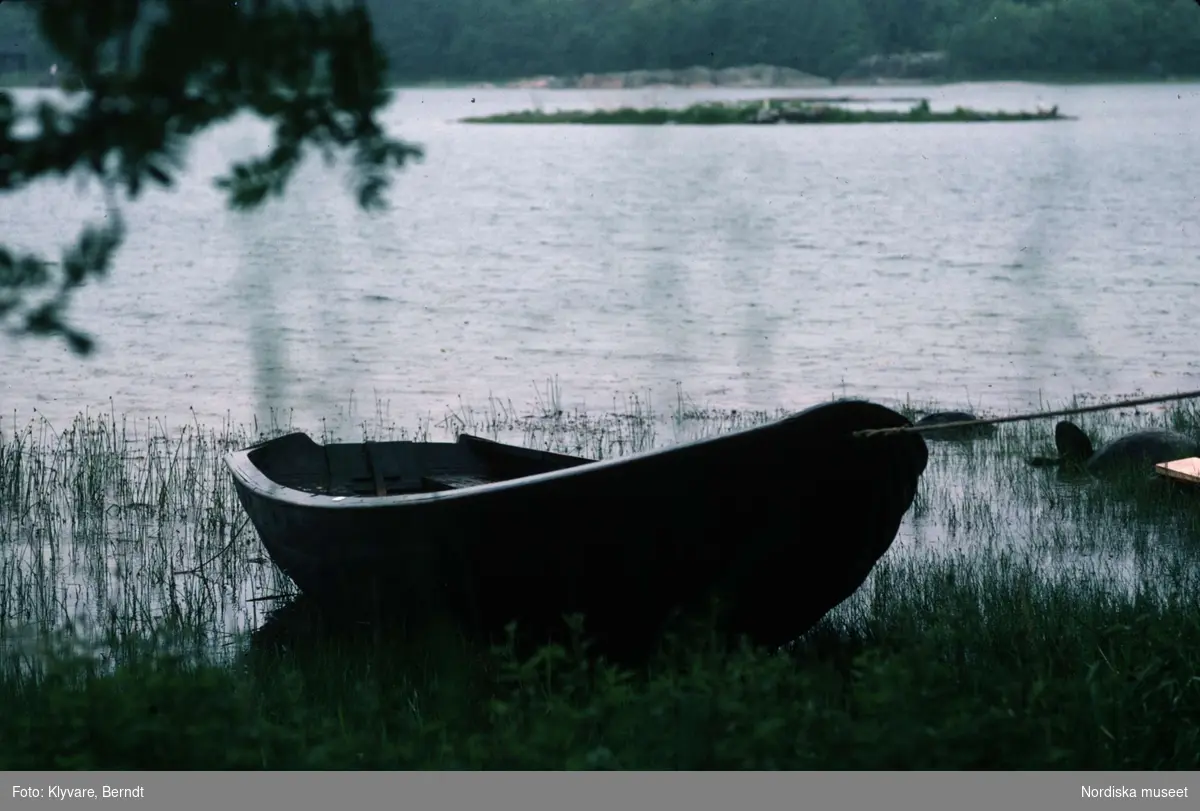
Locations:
{"points": [[1184, 470]]}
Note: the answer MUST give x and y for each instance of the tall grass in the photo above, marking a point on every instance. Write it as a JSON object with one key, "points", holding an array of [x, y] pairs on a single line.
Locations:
{"points": [[1020, 621]]}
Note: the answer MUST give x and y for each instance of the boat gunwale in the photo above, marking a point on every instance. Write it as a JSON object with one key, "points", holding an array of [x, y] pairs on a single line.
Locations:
{"points": [[246, 473], [249, 474]]}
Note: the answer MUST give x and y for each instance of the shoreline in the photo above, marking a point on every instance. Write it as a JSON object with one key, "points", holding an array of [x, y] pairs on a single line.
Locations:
{"points": [[1009, 613], [856, 85], [766, 112], [1063, 80]]}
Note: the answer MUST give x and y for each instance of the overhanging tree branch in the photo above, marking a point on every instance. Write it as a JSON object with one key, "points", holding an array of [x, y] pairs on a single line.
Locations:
{"points": [[157, 72]]}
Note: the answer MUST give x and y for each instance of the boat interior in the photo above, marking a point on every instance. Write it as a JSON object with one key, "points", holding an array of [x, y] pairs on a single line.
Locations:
{"points": [[399, 468]]}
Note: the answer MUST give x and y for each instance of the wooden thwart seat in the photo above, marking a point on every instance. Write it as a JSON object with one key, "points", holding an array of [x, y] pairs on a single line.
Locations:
{"points": [[455, 481], [371, 468], [1184, 470]]}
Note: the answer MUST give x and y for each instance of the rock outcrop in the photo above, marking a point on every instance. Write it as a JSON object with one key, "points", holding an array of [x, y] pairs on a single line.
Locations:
{"points": [[898, 67], [749, 76]]}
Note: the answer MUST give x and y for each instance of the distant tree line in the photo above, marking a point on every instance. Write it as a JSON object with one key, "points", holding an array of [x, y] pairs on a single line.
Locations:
{"points": [[497, 39], [490, 39]]}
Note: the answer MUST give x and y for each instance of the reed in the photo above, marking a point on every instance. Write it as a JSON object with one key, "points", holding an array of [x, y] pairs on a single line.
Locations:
{"points": [[1020, 621]]}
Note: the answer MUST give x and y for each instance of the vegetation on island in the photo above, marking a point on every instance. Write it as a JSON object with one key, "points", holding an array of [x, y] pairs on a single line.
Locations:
{"points": [[769, 111]]}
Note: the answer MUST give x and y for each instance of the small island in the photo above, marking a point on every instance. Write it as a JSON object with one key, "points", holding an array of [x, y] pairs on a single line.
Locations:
{"points": [[765, 111]]}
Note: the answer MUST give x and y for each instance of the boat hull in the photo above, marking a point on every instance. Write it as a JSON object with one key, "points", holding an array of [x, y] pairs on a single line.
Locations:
{"points": [[782, 522]]}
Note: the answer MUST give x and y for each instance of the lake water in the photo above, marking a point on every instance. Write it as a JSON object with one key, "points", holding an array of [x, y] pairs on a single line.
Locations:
{"points": [[764, 267], [982, 265]]}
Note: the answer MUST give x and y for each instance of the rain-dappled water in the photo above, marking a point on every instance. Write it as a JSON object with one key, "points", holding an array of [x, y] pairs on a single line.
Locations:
{"points": [[763, 268]]}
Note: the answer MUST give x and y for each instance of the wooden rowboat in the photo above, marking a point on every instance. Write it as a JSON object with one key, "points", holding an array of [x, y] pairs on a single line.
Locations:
{"points": [[781, 522]]}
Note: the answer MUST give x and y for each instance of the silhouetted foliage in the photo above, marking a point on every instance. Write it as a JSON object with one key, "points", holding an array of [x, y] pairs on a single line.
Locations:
{"points": [[157, 72]]}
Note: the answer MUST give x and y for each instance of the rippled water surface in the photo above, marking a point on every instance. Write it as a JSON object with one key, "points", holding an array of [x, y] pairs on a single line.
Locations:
{"points": [[751, 268], [758, 266]]}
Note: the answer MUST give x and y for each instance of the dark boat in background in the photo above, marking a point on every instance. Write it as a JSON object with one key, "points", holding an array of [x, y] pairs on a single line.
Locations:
{"points": [[781, 522]]}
